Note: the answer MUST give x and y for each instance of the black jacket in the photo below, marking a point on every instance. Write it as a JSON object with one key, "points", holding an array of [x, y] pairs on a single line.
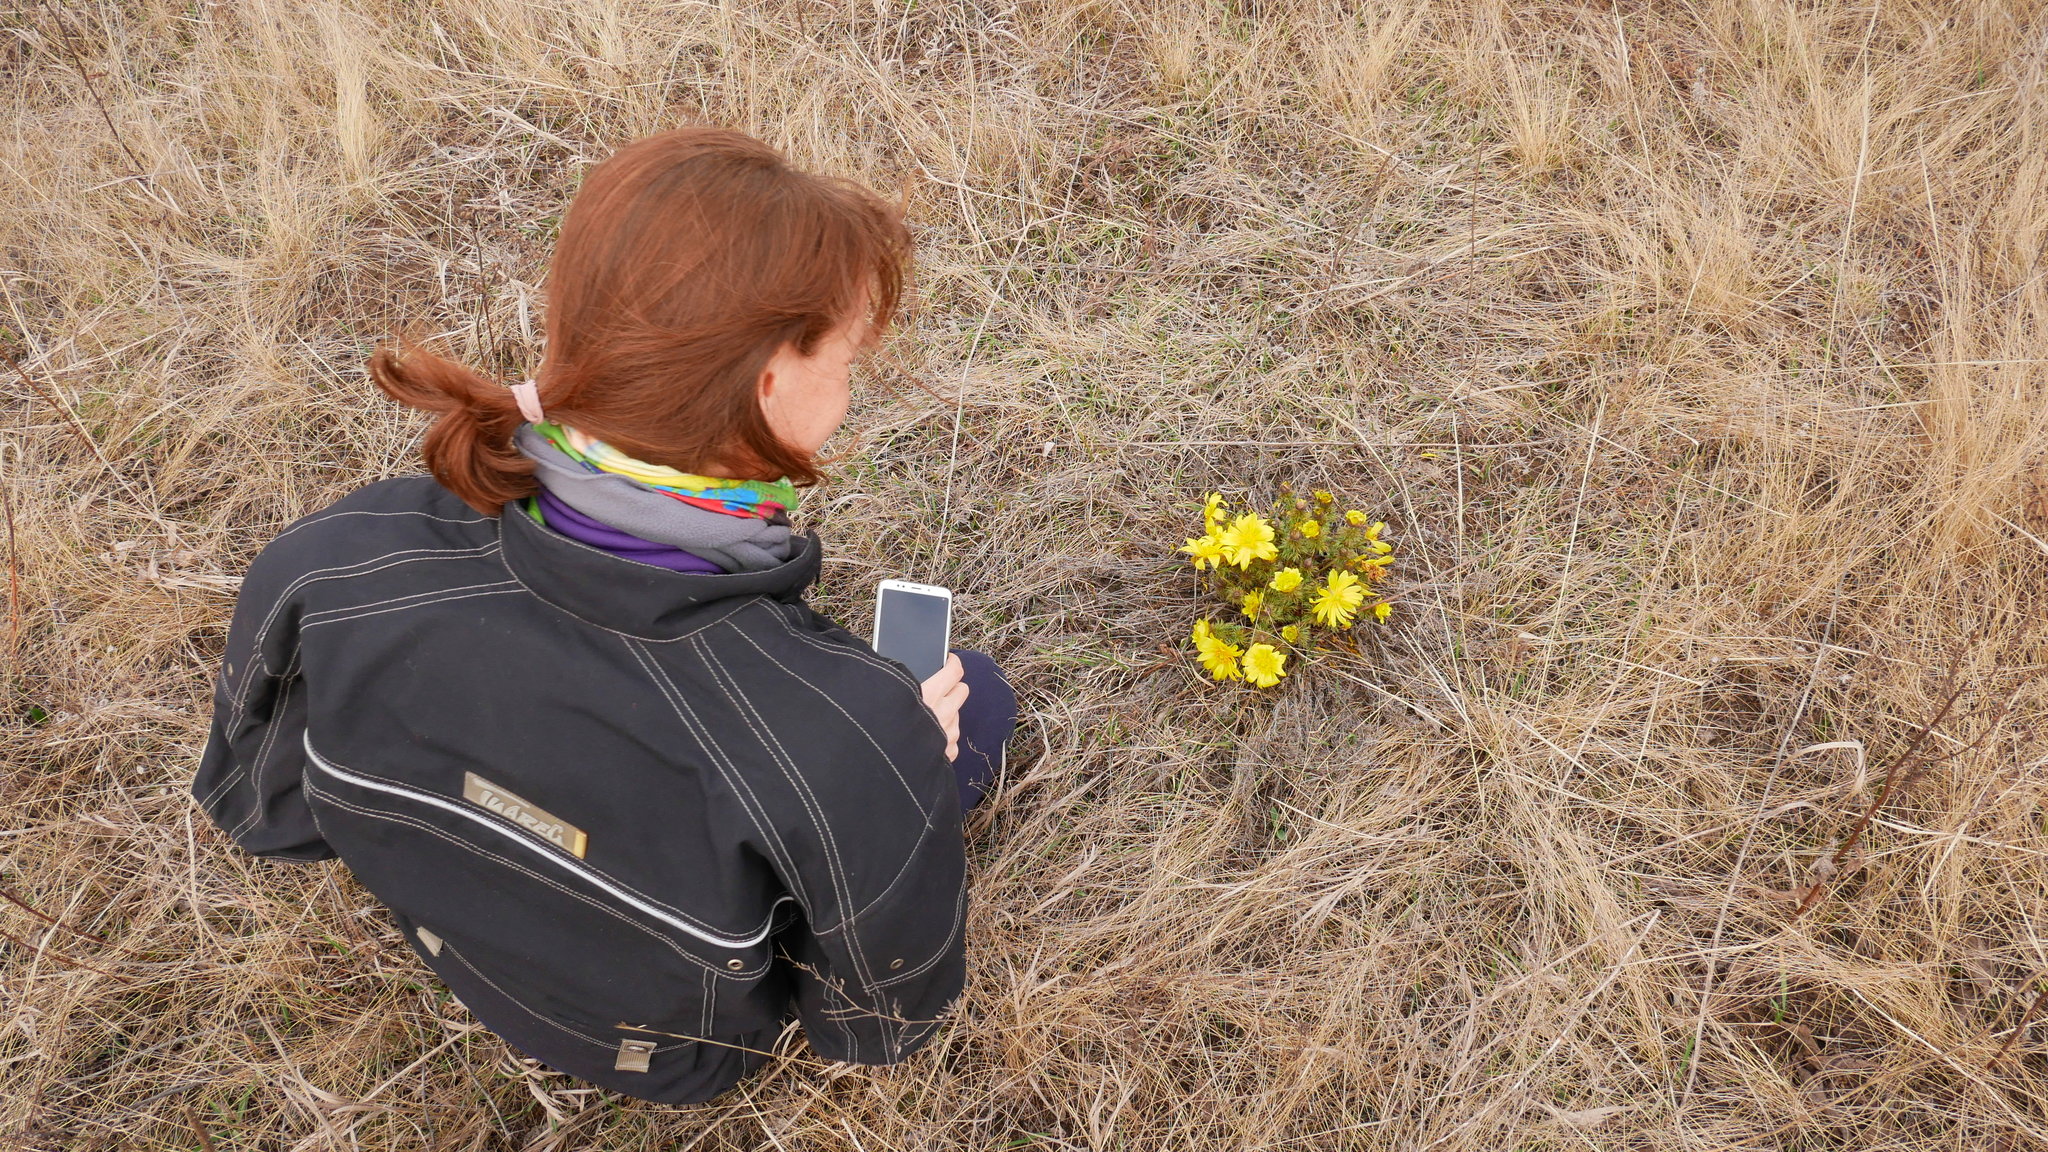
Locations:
{"points": [[635, 818]]}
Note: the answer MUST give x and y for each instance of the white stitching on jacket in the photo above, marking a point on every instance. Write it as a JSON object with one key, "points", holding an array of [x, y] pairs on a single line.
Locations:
{"points": [[615, 886], [929, 826], [735, 779], [581, 865], [517, 1002], [860, 652], [842, 888], [959, 915], [403, 607], [522, 1005], [379, 814], [397, 603], [281, 704], [827, 696], [256, 656], [324, 516]]}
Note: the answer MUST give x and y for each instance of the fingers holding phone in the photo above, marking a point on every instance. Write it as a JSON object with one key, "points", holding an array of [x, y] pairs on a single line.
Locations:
{"points": [[944, 692]]}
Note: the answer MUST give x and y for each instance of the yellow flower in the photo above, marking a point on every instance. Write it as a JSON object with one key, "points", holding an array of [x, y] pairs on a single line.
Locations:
{"points": [[1311, 529], [1323, 497], [1382, 610], [1247, 539], [1206, 550], [1380, 546], [1221, 660], [1251, 604], [1354, 517], [1291, 633], [1264, 665], [1212, 511], [1372, 533], [1287, 580], [1338, 600], [1217, 656]]}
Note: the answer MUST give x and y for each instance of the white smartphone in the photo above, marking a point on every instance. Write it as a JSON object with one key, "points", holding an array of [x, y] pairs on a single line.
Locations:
{"points": [[913, 625]]}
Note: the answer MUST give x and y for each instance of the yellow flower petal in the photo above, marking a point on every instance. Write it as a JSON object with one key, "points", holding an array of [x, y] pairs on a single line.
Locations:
{"points": [[1221, 661], [1203, 551], [1247, 539], [1264, 665], [1338, 600]]}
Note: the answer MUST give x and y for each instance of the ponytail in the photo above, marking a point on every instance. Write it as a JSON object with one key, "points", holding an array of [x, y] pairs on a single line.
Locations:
{"points": [[469, 449]]}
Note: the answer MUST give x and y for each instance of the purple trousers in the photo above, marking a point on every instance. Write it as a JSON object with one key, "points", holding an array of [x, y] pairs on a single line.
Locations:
{"points": [[986, 721]]}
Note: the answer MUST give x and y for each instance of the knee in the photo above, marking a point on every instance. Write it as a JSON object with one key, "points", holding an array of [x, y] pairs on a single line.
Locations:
{"points": [[976, 663], [973, 661], [980, 668]]}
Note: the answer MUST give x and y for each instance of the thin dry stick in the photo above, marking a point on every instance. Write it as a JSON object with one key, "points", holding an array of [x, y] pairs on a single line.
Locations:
{"points": [[13, 569], [1699, 1027], [486, 332], [1894, 779], [53, 922], [77, 61], [2019, 1029], [77, 426], [61, 957]]}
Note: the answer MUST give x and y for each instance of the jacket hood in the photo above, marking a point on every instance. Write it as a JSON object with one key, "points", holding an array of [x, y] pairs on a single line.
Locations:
{"points": [[634, 598]]}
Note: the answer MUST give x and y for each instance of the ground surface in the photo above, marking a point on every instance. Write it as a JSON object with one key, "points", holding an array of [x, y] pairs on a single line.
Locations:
{"points": [[1693, 351]]}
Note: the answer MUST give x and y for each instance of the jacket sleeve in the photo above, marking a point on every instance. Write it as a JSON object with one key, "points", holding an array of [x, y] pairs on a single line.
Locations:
{"points": [[249, 776], [880, 957]]}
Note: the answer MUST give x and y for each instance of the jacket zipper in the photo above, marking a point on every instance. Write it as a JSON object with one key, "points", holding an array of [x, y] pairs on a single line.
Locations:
{"points": [[589, 875]]}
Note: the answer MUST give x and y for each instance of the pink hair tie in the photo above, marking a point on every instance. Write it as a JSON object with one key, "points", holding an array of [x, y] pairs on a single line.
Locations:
{"points": [[528, 395]]}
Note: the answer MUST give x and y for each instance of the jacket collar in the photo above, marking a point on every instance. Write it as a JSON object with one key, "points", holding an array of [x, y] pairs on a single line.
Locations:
{"points": [[639, 599]]}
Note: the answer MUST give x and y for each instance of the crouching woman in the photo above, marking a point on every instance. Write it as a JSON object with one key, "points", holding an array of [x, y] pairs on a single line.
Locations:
{"points": [[561, 706]]}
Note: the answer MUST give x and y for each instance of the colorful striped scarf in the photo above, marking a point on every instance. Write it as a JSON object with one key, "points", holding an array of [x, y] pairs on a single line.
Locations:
{"points": [[756, 498]]}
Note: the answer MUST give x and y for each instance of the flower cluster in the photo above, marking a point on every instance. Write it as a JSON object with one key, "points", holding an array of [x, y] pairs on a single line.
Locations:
{"points": [[1301, 567]]}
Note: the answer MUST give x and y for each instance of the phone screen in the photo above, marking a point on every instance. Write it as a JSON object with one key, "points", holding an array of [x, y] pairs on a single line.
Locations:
{"points": [[910, 627]]}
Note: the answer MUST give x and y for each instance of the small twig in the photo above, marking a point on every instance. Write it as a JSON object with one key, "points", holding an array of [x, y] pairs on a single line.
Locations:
{"points": [[13, 563], [1896, 780], [77, 426], [486, 331], [71, 960], [53, 922], [77, 61], [2019, 1029]]}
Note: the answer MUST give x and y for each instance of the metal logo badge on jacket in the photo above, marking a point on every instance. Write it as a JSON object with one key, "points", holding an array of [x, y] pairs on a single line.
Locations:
{"points": [[531, 817]]}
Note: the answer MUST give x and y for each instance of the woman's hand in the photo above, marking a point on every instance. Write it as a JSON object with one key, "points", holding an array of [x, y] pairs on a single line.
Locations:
{"points": [[943, 694]]}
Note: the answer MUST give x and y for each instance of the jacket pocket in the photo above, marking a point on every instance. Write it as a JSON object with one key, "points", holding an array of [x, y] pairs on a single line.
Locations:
{"points": [[564, 940]]}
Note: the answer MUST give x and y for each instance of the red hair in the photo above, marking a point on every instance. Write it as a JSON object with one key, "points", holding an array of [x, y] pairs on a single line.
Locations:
{"points": [[685, 261]]}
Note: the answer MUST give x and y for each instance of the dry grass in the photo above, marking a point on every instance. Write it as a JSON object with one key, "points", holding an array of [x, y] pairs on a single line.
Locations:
{"points": [[1695, 351]]}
